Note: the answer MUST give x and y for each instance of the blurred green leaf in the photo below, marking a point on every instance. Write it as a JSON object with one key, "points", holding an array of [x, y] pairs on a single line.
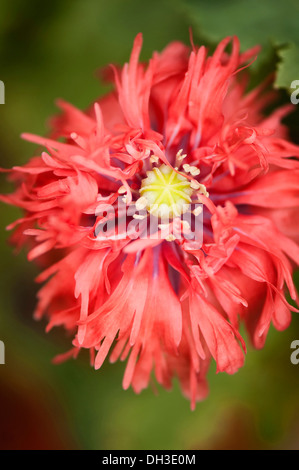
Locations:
{"points": [[288, 66], [269, 23]]}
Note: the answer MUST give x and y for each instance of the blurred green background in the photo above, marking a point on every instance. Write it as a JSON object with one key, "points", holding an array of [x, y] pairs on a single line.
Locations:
{"points": [[54, 49]]}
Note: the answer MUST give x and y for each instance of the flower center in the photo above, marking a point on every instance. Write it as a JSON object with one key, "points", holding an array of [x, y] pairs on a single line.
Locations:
{"points": [[165, 193]]}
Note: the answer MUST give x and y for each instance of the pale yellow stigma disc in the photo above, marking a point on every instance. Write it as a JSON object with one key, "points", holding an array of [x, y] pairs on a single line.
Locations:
{"points": [[165, 193]]}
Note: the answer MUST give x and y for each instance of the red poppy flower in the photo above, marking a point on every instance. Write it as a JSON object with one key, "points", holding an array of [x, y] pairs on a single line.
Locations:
{"points": [[177, 133]]}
